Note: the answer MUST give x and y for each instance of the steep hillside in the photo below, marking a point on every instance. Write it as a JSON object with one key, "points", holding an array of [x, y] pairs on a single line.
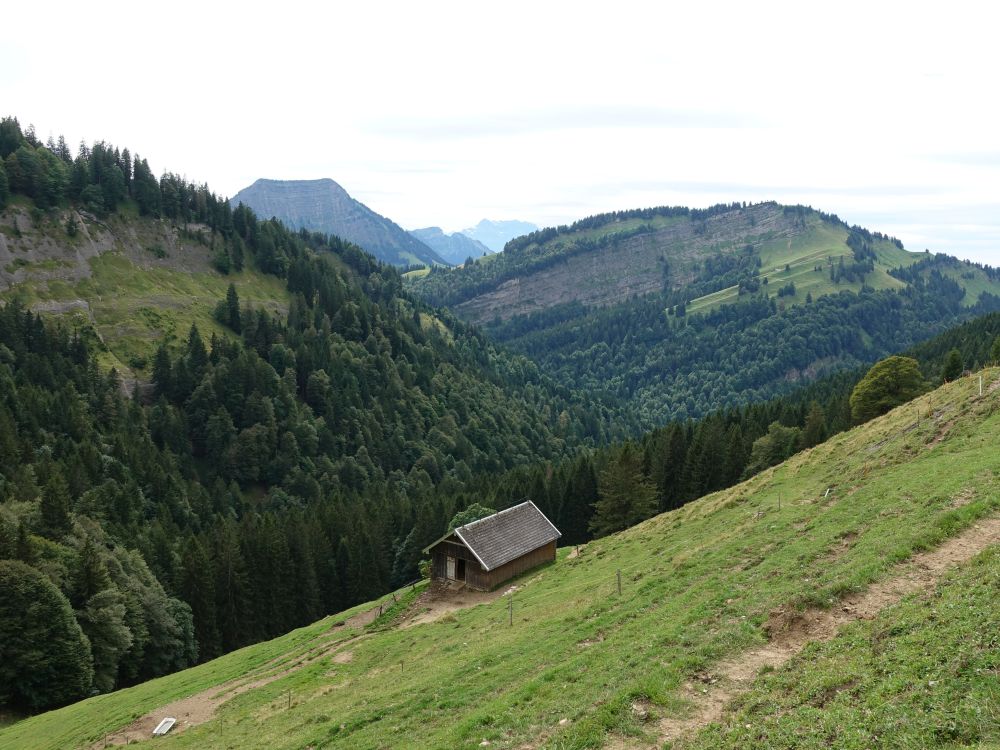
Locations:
{"points": [[455, 248], [732, 585], [496, 234], [136, 282], [324, 206], [700, 255]]}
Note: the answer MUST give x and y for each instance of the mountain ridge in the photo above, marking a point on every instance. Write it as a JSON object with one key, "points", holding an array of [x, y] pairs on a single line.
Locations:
{"points": [[683, 311], [322, 205]]}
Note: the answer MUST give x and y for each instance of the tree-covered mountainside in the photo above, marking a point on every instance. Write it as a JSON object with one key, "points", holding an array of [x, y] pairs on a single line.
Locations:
{"points": [[324, 206], [456, 248], [681, 311], [286, 460]]}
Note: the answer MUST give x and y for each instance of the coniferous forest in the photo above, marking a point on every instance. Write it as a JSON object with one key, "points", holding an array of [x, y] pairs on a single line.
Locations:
{"points": [[298, 464]]}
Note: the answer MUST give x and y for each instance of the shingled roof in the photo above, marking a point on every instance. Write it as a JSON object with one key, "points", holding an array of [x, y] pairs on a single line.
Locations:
{"points": [[507, 535]]}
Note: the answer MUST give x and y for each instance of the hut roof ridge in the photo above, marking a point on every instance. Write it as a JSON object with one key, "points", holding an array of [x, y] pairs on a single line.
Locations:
{"points": [[507, 535]]}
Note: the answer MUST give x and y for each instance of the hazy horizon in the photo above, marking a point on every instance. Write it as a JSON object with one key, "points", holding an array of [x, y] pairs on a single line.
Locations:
{"points": [[444, 115]]}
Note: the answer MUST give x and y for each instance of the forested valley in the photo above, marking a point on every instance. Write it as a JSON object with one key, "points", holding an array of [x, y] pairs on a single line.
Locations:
{"points": [[282, 472], [679, 366], [299, 464]]}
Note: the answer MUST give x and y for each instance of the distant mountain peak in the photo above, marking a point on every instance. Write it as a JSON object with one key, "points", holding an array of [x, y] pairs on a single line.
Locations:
{"points": [[323, 205], [455, 248], [496, 234]]}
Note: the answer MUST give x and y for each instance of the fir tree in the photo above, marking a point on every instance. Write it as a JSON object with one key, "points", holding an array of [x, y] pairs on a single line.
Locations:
{"points": [[625, 496], [55, 505], [953, 366], [44, 656]]}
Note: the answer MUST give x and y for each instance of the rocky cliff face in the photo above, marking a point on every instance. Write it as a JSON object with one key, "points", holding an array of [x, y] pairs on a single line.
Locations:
{"points": [[324, 206], [665, 256], [454, 248]]}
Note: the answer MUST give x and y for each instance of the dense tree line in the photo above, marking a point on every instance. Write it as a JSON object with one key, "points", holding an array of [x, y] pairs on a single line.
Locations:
{"points": [[76, 464], [608, 489], [679, 366]]}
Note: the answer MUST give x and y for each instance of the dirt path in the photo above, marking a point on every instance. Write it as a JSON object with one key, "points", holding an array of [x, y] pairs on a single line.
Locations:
{"points": [[201, 707], [790, 632]]}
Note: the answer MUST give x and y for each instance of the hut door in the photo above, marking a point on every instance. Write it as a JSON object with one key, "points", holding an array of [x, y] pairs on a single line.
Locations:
{"points": [[450, 574], [460, 571]]}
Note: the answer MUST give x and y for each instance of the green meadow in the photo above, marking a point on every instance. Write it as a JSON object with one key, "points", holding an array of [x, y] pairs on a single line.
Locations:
{"points": [[795, 260]]}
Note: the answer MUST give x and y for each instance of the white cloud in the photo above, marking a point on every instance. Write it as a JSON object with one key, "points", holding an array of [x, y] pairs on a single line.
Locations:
{"points": [[443, 113]]}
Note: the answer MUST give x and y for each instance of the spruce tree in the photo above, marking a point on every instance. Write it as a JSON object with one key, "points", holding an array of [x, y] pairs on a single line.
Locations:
{"points": [[233, 309], [162, 372], [625, 496], [89, 575], [55, 504], [953, 366], [45, 658], [197, 588], [814, 431]]}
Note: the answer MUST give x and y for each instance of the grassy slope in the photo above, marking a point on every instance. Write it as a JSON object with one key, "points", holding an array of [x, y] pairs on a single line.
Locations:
{"points": [[922, 674], [136, 300], [821, 244], [697, 585]]}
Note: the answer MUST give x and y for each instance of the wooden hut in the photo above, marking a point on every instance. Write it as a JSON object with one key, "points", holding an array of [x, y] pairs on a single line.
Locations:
{"points": [[487, 552]]}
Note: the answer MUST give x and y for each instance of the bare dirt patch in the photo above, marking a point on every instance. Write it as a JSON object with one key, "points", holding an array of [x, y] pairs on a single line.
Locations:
{"points": [[438, 601], [363, 618], [190, 711], [963, 497], [942, 432], [790, 631], [343, 657]]}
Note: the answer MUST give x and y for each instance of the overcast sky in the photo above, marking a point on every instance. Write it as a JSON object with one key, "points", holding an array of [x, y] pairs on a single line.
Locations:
{"points": [[444, 113]]}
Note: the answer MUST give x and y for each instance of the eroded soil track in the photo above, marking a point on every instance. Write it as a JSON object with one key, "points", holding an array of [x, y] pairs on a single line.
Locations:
{"points": [[790, 631]]}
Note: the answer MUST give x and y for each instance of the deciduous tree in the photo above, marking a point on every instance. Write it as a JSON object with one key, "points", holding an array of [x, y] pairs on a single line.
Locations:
{"points": [[889, 383]]}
